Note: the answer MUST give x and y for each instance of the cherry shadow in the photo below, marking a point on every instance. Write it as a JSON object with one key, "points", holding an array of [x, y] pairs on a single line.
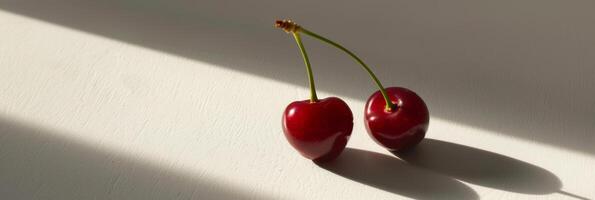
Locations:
{"points": [[481, 167], [393, 175]]}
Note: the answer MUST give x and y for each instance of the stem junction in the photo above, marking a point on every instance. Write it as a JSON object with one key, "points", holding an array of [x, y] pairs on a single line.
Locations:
{"points": [[291, 27]]}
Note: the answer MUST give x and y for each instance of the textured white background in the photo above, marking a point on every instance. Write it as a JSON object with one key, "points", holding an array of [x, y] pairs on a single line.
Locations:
{"points": [[183, 100]]}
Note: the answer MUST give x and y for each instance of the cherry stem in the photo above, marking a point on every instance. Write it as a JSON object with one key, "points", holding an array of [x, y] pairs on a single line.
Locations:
{"points": [[389, 104], [298, 40]]}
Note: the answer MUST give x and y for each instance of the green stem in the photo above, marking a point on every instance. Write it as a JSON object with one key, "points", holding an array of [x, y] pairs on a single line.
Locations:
{"points": [[389, 104], [298, 40]]}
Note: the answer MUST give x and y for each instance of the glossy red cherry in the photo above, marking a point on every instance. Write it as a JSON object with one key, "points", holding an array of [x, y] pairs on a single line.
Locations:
{"points": [[395, 117], [318, 130], [401, 128]]}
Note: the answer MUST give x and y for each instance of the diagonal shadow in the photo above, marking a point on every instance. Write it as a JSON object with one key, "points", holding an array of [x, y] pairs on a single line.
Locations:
{"points": [[527, 75], [395, 176], [40, 164], [481, 167]]}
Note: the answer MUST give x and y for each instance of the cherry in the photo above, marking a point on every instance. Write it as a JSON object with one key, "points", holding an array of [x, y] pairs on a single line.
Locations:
{"points": [[396, 118], [317, 128], [400, 128]]}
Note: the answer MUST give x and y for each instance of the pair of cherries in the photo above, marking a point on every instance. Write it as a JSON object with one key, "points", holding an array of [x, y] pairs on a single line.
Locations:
{"points": [[395, 117]]}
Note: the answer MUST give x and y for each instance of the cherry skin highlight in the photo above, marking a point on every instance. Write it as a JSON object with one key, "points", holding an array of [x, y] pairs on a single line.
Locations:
{"points": [[396, 118], [401, 128], [318, 130]]}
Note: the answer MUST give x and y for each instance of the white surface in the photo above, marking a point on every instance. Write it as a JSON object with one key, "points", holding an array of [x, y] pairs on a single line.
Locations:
{"points": [[126, 108]]}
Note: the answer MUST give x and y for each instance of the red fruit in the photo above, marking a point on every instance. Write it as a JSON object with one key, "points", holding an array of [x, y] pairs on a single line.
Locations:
{"points": [[318, 130], [402, 127]]}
